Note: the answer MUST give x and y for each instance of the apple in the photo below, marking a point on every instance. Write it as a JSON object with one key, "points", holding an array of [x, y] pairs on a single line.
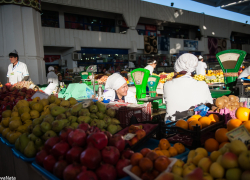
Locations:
{"points": [[201, 151], [233, 174], [188, 170], [224, 149], [179, 163], [197, 158], [219, 159], [196, 174], [214, 155], [166, 176], [245, 175], [177, 170], [207, 176], [189, 164], [237, 146], [244, 160], [216, 170], [140, 134], [229, 160], [205, 164]]}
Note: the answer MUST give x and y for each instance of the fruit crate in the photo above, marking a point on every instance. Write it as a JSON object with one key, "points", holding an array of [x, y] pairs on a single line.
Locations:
{"points": [[151, 130], [196, 135], [5, 141], [123, 114], [20, 155]]}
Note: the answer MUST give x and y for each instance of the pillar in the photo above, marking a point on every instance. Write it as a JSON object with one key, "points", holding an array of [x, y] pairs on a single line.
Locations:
{"points": [[20, 29]]}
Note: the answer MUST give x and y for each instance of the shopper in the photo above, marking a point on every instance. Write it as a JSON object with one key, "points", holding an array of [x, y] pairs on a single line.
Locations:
{"points": [[51, 76], [116, 89], [151, 65], [184, 92], [201, 68], [17, 71]]}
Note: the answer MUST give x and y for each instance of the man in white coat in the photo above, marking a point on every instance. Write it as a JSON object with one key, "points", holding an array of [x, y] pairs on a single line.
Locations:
{"points": [[51, 76], [201, 67], [116, 89], [184, 92]]}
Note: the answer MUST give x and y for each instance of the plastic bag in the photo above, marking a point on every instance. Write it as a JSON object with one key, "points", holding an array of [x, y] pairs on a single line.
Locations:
{"points": [[203, 110]]}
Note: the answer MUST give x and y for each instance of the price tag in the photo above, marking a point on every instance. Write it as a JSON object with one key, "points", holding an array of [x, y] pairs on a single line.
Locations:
{"points": [[240, 133], [129, 136]]}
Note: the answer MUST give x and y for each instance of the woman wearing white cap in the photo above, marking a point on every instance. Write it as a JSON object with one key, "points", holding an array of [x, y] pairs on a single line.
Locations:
{"points": [[151, 65], [201, 67], [17, 71], [51, 76], [116, 89], [184, 92]]}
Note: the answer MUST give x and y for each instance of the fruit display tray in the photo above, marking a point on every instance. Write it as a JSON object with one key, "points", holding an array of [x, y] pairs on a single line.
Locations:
{"points": [[150, 129], [20, 155], [5, 141], [134, 177]]}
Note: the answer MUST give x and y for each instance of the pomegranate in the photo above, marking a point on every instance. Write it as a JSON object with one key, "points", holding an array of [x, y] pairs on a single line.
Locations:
{"points": [[94, 129], [40, 156], [119, 167], [59, 168], [91, 157], [117, 141], [49, 163], [99, 140], [84, 126], [73, 155], [126, 154], [87, 175], [110, 155], [64, 133], [106, 171], [71, 171], [60, 149], [108, 134], [77, 138], [48, 145]]}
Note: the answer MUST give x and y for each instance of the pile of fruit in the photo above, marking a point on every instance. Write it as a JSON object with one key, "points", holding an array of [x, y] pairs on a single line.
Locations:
{"points": [[166, 76], [80, 154], [231, 102], [26, 84], [138, 133], [199, 77], [214, 73], [217, 79], [194, 120], [230, 162], [103, 79], [1, 85]]}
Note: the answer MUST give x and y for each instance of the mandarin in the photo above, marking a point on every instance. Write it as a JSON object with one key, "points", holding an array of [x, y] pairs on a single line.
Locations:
{"points": [[233, 123], [182, 124], [242, 113], [220, 135], [205, 121], [194, 123], [211, 145], [214, 118]]}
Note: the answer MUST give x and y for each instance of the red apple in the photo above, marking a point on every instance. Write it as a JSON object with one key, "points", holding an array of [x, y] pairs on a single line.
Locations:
{"points": [[229, 160]]}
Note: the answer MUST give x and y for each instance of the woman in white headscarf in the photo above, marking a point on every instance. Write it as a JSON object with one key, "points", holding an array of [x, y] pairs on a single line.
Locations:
{"points": [[51, 76], [151, 65], [184, 92], [116, 89]]}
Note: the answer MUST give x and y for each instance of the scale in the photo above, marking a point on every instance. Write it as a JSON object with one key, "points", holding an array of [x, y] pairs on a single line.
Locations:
{"points": [[152, 85], [91, 69], [230, 62]]}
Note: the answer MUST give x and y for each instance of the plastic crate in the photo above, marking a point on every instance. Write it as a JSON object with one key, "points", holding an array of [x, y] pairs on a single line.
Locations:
{"points": [[44, 172], [5, 141], [18, 154], [125, 113]]}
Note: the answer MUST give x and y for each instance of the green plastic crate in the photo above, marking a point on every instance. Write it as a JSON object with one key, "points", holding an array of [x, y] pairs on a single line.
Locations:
{"points": [[219, 93]]}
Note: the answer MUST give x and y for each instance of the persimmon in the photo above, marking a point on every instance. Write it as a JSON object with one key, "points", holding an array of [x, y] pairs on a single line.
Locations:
{"points": [[136, 170], [145, 164], [164, 144], [179, 147], [135, 158], [161, 163]]}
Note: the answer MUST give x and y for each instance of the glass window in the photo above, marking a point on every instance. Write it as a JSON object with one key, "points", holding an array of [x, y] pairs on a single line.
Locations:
{"points": [[50, 19]]}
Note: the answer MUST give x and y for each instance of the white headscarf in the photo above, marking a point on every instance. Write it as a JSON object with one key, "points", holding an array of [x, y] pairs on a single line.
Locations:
{"points": [[51, 68], [186, 62], [115, 81]]}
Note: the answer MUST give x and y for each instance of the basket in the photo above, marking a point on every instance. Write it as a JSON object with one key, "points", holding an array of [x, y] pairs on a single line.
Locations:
{"points": [[141, 113], [5, 141], [18, 154], [44, 172]]}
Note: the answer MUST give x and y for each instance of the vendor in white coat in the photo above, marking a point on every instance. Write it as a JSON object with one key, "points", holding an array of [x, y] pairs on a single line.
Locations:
{"points": [[201, 67], [184, 92], [51, 76], [116, 89], [151, 66], [17, 71]]}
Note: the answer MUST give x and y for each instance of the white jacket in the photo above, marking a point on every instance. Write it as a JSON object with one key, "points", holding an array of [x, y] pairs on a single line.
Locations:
{"points": [[52, 77], [110, 94], [184, 92], [150, 68]]}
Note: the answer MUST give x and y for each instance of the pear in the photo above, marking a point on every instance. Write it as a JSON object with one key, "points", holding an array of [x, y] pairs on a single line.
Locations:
{"points": [[47, 111], [94, 122], [5, 122], [37, 121], [22, 129], [107, 119], [58, 125], [68, 114], [72, 101], [75, 109], [48, 135], [31, 104], [30, 150], [15, 109], [119, 128], [38, 143], [85, 119], [14, 114], [30, 128], [23, 142], [93, 116], [55, 111], [5, 131], [61, 116], [23, 109], [112, 128], [38, 107], [1, 128], [110, 112], [52, 99], [37, 130], [93, 108], [13, 137], [115, 121], [6, 113], [74, 125], [34, 114], [58, 102], [101, 107], [72, 119], [44, 102], [32, 137], [21, 103], [17, 144], [51, 106], [100, 115], [84, 112], [101, 124], [45, 126], [13, 125], [25, 116], [65, 104], [48, 118]]}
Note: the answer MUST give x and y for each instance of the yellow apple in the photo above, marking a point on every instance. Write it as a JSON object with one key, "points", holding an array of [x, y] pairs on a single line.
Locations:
{"points": [[197, 158], [219, 159], [205, 164], [177, 170], [237, 146], [188, 164], [179, 163], [224, 149], [229, 160], [245, 175], [244, 160], [234, 173], [214, 155], [201, 151], [191, 154], [207, 176], [216, 170], [187, 170]]}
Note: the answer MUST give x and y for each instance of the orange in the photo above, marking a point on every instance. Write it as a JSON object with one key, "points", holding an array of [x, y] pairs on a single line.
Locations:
{"points": [[179, 147], [191, 119], [247, 125], [211, 145], [193, 123], [159, 152], [136, 170], [205, 121], [182, 124], [172, 151], [164, 144], [197, 116], [135, 158], [146, 164], [158, 148], [214, 118], [220, 135], [233, 123], [242, 114], [222, 144], [166, 153]]}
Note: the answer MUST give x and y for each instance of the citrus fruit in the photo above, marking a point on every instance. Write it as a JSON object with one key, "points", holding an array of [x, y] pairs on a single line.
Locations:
{"points": [[220, 135], [211, 145]]}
